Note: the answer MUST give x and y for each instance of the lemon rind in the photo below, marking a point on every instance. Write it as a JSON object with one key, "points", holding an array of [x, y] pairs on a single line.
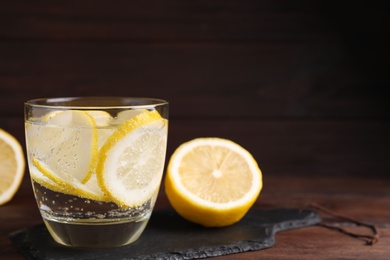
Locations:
{"points": [[65, 186], [54, 117], [10, 192], [127, 128], [183, 149], [94, 150]]}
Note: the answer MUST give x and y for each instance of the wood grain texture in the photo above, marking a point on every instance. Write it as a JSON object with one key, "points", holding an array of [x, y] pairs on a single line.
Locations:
{"points": [[226, 58], [363, 198], [341, 165], [168, 20], [244, 80], [304, 244], [303, 85]]}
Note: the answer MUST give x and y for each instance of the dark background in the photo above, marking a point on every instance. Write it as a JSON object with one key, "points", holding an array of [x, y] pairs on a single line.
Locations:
{"points": [[303, 85]]}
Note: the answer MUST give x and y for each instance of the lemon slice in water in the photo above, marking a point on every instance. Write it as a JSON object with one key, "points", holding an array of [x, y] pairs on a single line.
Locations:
{"points": [[66, 144], [131, 161], [50, 180], [102, 118]]}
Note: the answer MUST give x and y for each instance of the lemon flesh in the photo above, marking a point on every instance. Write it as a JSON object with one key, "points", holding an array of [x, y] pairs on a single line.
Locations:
{"points": [[50, 180], [12, 165], [61, 144], [212, 181], [94, 155], [132, 159]]}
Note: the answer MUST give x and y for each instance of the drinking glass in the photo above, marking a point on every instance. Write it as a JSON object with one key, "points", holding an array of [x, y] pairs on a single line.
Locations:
{"points": [[96, 165]]}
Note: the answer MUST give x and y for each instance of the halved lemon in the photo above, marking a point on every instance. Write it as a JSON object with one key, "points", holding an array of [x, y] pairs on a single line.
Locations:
{"points": [[67, 144], [212, 181], [12, 165], [131, 161]]}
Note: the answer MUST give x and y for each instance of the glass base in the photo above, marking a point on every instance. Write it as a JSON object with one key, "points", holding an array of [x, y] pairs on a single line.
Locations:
{"points": [[95, 234]]}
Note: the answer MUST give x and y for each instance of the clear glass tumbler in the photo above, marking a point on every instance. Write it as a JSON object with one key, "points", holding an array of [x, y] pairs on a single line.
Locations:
{"points": [[96, 165]]}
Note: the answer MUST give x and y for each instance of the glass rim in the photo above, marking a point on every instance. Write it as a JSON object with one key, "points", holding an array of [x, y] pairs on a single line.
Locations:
{"points": [[118, 102]]}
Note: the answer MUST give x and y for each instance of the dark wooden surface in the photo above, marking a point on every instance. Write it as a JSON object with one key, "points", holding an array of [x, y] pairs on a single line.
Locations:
{"points": [[367, 199], [303, 85]]}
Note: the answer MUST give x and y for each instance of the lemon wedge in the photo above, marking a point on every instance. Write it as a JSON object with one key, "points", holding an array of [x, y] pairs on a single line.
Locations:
{"points": [[212, 181], [12, 165], [60, 144], [131, 161]]}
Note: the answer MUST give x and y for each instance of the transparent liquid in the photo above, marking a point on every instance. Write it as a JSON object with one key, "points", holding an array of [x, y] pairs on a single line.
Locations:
{"points": [[79, 222]]}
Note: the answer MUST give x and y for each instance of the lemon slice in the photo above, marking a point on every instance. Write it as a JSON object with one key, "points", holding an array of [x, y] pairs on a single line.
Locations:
{"points": [[45, 181], [67, 143], [212, 181], [12, 164], [131, 161], [125, 115], [90, 190], [104, 123], [102, 118]]}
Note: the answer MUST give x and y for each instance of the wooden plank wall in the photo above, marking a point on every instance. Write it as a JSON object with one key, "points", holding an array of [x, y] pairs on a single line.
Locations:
{"points": [[222, 65]]}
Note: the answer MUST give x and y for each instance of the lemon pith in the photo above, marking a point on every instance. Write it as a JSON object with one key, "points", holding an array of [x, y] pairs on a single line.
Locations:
{"points": [[12, 165], [212, 181], [105, 141], [57, 144], [141, 142], [61, 143], [48, 179]]}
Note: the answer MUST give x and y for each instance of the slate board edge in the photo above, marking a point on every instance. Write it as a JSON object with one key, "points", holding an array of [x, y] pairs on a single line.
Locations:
{"points": [[205, 252], [202, 252], [241, 246], [312, 219]]}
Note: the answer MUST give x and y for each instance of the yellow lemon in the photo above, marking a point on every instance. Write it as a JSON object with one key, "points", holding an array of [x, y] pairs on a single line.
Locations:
{"points": [[12, 164], [212, 181], [131, 161], [102, 118], [64, 152], [42, 174], [66, 143], [125, 115]]}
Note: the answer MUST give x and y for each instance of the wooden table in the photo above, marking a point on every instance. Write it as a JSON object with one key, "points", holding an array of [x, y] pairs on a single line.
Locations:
{"points": [[310, 171], [301, 84]]}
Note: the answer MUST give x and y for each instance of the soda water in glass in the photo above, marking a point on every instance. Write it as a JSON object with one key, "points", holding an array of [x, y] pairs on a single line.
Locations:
{"points": [[96, 165]]}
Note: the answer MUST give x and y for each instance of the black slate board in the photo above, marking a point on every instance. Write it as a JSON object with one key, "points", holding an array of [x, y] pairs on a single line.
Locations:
{"points": [[168, 236]]}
